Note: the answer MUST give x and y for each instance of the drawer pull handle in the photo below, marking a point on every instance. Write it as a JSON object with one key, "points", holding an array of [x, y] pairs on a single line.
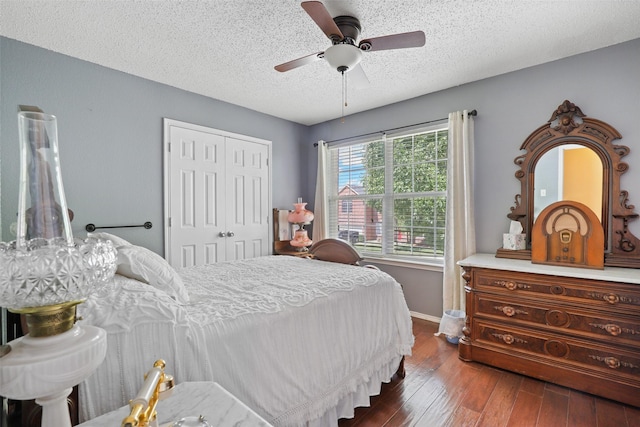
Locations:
{"points": [[614, 330], [510, 285], [508, 339], [612, 298], [509, 311], [612, 362]]}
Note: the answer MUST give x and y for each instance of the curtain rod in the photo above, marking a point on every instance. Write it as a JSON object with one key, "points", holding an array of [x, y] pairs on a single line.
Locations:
{"points": [[470, 113]]}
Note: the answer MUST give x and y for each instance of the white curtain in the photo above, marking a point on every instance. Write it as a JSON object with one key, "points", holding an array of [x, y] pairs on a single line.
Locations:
{"points": [[321, 216], [460, 232]]}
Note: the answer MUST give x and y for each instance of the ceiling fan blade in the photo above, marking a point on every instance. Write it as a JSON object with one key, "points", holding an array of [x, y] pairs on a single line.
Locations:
{"points": [[394, 41], [322, 18], [299, 62], [358, 77]]}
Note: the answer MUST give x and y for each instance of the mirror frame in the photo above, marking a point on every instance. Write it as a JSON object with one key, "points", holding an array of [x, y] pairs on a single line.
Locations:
{"points": [[568, 125]]}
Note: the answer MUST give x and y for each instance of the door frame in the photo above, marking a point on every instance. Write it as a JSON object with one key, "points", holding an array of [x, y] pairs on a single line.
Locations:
{"points": [[166, 172]]}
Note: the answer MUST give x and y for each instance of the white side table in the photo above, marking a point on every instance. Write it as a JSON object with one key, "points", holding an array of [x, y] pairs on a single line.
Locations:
{"points": [[219, 407]]}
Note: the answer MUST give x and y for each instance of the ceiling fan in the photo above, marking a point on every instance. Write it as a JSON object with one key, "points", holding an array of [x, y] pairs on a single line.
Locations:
{"points": [[343, 31]]}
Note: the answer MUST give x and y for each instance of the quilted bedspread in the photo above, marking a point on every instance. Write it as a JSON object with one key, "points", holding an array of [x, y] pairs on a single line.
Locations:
{"points": [[301, 342]]}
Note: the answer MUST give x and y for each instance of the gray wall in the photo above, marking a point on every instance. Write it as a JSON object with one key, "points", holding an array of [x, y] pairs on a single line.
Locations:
{"points": [[110, 138], [110, 131], [604, 83]]}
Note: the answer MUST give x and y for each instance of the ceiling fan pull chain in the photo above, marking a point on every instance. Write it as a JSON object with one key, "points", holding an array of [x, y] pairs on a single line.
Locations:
{"points": [[344, 94], [345, 89]]}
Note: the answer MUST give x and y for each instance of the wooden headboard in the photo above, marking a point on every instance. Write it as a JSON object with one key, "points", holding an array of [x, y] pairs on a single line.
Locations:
{"points": [[335, 250]]}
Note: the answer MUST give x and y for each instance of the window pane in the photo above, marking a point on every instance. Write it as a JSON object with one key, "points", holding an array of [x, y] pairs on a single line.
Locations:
{"points": [[440, 211], [425, 147], [403, 179], [403, 151], [371, 239], [373, 179], [416, 232], [362, 225], [426, 177], [350, 167], [441, 173], [443, 143], [367, 187]]}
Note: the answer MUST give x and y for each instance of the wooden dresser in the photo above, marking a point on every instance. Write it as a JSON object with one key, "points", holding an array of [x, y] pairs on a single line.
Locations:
{"points": [[576, 327]]}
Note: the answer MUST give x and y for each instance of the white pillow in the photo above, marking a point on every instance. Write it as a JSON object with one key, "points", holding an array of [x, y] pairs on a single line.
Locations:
{"points": [[146, 266], [117, 241]]}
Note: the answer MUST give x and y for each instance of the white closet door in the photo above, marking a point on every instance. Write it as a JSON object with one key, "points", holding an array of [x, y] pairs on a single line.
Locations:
{"points": [[247, 196], [217, 196]]}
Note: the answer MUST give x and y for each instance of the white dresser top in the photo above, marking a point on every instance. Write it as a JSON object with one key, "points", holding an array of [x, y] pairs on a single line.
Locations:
{"points": [[219, 407], [612, 274]]}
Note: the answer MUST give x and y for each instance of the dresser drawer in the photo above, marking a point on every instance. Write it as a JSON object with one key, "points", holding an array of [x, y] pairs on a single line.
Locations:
{"points": [[561, 319], [622, 297], [556, 349]]}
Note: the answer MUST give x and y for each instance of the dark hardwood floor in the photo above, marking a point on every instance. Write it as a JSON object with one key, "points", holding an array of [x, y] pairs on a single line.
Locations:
{"points": [[441, 390]]}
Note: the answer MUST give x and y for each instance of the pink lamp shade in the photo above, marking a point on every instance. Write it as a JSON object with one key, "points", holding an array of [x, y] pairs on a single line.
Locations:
{"points": [[300, 239], [300, 215]]}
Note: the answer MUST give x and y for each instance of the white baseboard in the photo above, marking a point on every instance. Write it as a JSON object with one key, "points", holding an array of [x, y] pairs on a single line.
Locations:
{"points": [[426, 317]]}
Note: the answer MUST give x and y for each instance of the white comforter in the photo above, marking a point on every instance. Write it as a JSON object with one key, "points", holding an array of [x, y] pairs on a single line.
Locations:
{"points": [[301, 342]]}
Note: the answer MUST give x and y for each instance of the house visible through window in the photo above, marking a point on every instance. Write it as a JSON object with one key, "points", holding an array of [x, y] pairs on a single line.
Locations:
{"points": [[388, 196]]}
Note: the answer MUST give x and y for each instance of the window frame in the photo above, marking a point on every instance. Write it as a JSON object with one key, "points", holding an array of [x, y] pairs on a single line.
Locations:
{"points": [[386, 254]]}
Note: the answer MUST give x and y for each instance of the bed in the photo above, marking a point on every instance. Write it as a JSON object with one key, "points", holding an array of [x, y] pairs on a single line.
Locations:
{"points": [[300, 341]]}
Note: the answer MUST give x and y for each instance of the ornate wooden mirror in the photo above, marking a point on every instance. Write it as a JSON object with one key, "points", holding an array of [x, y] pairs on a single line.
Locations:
{"points": [[569, 129]]}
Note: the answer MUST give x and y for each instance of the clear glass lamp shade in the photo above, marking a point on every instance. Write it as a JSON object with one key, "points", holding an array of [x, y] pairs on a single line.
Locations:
{"points": [[42, 206], [45, 265]]}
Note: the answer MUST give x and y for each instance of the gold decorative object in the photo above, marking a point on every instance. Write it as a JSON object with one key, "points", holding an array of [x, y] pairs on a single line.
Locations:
{"points": [[157, 386]]}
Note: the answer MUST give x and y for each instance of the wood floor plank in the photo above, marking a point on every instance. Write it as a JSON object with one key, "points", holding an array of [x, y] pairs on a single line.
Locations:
{"points": [[481, 388], [633, 416], [610, 414], [533, 386], [582, 410], [463, 417], [525, 409], [500, 404], [425, 396], [456, 384], [554, 409], [557, 389]]}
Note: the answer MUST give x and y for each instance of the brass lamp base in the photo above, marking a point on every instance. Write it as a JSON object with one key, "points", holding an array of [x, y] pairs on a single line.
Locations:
{"points": [[49, 320]]}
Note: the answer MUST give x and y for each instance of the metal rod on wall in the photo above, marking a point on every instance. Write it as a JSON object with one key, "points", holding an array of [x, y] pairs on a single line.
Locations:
{"points": [[92, 227], [470, 113]]}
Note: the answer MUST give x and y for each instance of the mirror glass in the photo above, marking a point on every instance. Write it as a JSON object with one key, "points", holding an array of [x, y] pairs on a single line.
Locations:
{"points": [[569, 172]]}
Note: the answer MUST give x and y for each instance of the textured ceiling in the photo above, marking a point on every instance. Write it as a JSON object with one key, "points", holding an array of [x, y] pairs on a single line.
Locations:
{"points": [[226, 49]]}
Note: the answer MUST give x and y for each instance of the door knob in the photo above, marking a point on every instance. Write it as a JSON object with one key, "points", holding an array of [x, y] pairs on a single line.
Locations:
{"points": [[222, 234], [230, 234]]}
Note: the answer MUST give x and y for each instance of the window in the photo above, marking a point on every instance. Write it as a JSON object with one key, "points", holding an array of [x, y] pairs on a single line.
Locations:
{"points": [[388, 196], [347, 206]]}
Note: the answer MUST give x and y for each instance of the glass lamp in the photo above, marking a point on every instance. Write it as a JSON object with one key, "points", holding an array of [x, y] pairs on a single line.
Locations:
{"points": [[44, 274], [300, 216]]}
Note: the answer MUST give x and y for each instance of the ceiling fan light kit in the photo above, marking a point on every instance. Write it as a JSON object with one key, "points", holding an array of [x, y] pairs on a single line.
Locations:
{"points": [[343, 57]]}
